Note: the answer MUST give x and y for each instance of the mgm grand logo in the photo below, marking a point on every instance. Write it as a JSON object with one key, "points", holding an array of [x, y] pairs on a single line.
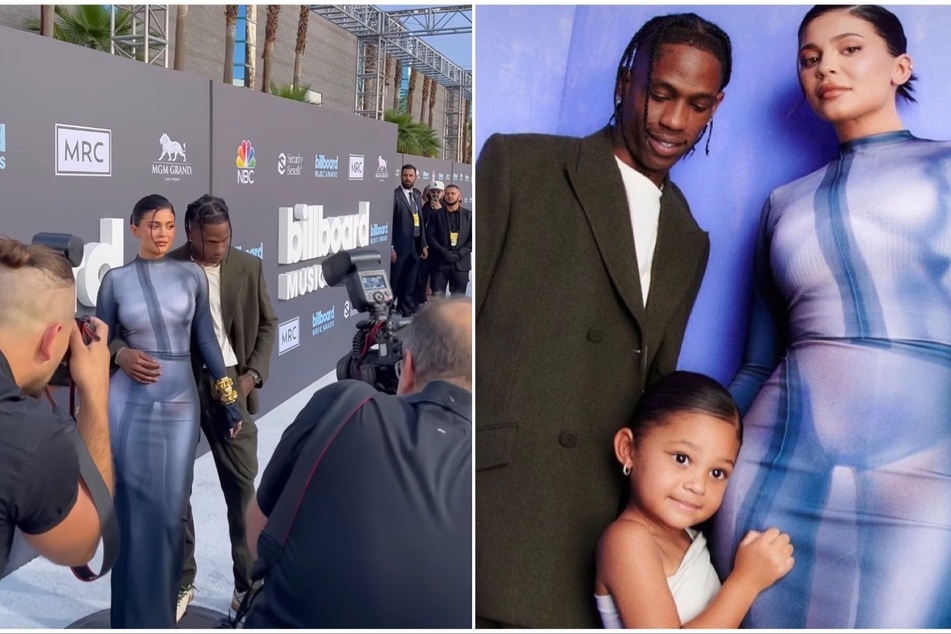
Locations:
{"points": [[173, 163]]}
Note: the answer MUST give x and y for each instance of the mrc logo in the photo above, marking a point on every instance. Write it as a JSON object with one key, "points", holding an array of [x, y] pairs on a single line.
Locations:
{"points": [[288, 334], [83, 151], [245, 163]]}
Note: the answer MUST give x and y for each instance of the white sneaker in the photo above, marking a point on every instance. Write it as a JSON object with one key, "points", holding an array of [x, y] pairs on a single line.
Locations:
{"points": [[236, 599], [185, 596]]}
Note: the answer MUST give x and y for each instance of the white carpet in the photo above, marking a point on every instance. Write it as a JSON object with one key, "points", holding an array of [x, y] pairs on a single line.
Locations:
{"points": [[46, 596]]}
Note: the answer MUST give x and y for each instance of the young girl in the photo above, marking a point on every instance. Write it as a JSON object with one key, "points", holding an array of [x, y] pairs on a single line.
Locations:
{"points": [[654, 570]]}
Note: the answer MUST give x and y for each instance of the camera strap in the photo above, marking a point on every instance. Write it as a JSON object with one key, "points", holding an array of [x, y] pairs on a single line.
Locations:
{"points": [[102, 500], [278, 527]]}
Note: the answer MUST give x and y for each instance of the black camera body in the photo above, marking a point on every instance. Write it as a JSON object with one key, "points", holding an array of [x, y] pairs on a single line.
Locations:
{"points": [[377, 354]]}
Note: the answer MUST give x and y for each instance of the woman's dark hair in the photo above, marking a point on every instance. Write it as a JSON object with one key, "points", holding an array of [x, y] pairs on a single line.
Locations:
{"points": [[886, 25], [678, 28], [207, 210], [678, 392], [152, 202]]}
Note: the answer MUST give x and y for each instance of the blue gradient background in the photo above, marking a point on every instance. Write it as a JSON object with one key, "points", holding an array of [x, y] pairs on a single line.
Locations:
{"points": [[551, 69]]}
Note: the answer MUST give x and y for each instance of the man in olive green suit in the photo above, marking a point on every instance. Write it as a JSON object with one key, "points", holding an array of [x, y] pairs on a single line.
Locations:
{"points": [[566, 341]]}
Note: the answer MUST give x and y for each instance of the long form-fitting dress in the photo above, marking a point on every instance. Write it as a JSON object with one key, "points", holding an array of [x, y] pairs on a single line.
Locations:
{"points": [[847, 443], [155, 306]]}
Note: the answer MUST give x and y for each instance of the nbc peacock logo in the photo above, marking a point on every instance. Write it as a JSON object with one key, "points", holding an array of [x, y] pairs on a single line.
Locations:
{"points": [[245, 163]]}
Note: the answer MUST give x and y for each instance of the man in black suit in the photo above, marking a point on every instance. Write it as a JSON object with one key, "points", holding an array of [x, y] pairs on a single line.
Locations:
{"points": [[409, 241], [588, 251], [450, 235]]}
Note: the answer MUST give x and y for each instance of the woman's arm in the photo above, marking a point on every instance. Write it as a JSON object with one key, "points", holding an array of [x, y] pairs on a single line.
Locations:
{"points": [[766, 339], [203, 335]]}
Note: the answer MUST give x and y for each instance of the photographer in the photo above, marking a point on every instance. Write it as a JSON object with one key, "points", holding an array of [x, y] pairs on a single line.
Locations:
{"points": [[40, 489], [382, 535], [433, 196]]}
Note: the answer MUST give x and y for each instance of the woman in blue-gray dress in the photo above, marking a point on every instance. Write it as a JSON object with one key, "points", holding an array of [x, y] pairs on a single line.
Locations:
{"points": [[158, 306], [847, 376]]}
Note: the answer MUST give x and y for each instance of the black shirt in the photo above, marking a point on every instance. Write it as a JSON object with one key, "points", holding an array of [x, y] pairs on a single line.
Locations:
{"points": [[383, 534], [39, 469]]}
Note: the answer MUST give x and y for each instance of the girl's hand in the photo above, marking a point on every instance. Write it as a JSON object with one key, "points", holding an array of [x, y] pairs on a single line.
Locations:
{"points": [[763, 558]]}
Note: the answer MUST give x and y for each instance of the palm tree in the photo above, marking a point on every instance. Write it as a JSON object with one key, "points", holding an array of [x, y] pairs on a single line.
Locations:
{"points": [[422, 108], [251, 46], [432, 102], [467, 141], [301, 42], [413, 137], [46, 20], [411, 91], [398, 80], [270, 35], [290, 91], [181, 21], [231, 21], [87, 25]]}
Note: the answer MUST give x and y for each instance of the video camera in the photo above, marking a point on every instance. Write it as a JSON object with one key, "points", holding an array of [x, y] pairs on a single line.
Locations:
{"points": [[71, 248], [377, 353]]}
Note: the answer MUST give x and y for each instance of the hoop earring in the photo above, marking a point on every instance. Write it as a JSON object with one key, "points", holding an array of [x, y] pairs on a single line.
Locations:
{"points": [[626, 470]]}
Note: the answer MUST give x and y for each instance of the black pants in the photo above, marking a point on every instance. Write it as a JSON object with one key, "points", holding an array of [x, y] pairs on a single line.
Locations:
{"points": [[423, 274], [457, 281], [237, 462], [403, 274]]}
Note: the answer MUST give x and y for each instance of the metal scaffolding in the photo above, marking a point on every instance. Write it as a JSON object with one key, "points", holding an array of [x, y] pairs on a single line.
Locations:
{"points": [[380, 33], [148, 39]]}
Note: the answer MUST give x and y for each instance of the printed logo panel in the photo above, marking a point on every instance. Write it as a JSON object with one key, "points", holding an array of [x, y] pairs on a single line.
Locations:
{"points": [[83, 151]]}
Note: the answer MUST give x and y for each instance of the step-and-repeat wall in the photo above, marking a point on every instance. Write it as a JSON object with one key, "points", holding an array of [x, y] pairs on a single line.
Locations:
{"points": [[84, 135]]}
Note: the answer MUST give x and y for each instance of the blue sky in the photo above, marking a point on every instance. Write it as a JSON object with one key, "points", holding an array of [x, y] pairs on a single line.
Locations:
{"points": [[457, 48]]}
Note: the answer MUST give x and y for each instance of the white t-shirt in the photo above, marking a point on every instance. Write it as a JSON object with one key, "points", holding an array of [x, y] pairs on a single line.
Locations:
{"points": [[643, 204], [214, 300]]}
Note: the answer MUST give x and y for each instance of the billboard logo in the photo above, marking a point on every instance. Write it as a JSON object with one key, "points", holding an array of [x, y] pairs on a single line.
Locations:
{"points": [[381, 171], [171, 168], [3, 146], [245, 163], [326, 167], [98, 258], [356, 167], [467, 178], [257, 251], [288, 335], [290, 164], [322, 321], [425, 175], [379, 233], [305, 234], [82, 151]]}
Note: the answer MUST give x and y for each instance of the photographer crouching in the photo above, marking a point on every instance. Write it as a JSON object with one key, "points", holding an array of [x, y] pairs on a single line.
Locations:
{"points": [[365, 510], [41, 492]]}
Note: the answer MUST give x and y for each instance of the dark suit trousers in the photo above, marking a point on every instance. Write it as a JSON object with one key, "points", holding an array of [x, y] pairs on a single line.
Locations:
{"points": [[237, 462], [403, 276], [457, 281]]}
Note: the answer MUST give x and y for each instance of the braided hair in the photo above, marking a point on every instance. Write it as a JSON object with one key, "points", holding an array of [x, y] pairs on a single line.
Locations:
{"points": [[207, 210], [679, 28]]}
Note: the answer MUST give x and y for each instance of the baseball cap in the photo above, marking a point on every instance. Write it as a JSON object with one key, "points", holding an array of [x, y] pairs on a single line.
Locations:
{"points": [[437, 185]]}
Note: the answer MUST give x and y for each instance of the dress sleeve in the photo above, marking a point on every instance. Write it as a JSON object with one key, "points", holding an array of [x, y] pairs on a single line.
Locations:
{"points": [[203, 330], [107, 308], [767, 337], [203, 335]]}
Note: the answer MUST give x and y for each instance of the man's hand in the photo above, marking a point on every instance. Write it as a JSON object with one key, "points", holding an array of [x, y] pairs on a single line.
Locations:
{"points": [[246, 384], [89, 364], [138, 365], [392, 256], [456, 256], [425, 252]]}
